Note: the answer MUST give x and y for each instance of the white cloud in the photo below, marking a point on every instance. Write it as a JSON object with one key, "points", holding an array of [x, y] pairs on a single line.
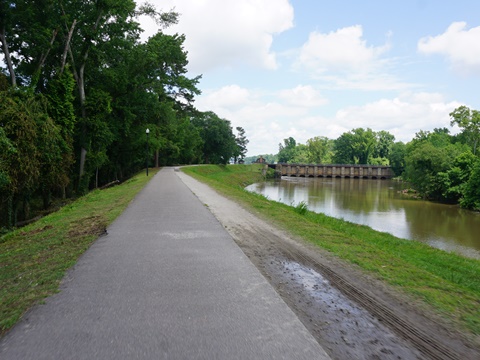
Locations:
{"points": [[460, 45], [223, 33], [229, 97], [304, 96], [268, 118], [343, 60], [403, 116], [341, 50]]}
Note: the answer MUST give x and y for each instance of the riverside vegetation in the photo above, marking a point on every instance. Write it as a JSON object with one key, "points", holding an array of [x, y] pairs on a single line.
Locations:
{"points": [[446, 283]]}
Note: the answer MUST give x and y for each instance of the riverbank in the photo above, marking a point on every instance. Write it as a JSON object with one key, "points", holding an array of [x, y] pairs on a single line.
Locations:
{"points": [[446, 284]]}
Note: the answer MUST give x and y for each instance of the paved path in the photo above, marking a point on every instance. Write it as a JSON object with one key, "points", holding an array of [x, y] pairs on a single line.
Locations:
{"points": [[167, 282]]}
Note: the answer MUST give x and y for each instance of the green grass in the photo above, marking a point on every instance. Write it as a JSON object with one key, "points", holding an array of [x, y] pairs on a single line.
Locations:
{"points": [[447, 283], [34, 259]]}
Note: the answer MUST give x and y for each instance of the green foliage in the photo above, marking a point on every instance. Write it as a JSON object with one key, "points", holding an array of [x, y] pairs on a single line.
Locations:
{"points": [[471, 191], [218, 140], [469, 121], [288, 152], [355, 147], [384, 145], [97, 88], [430, 161], [301, 208], [319, 150], [61, 103], [397, 158], [241, 142], [36, 156]]}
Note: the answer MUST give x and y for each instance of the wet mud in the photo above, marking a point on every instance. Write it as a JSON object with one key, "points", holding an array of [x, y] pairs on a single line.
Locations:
{"points": [[347, 330]]}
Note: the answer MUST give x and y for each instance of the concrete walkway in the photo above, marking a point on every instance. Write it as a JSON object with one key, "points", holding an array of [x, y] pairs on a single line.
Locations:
{"points": [[167, 282]]}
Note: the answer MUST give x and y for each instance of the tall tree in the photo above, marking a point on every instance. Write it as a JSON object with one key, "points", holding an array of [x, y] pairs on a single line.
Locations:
{"points": [[319, 150], [396, 157], [218, 139], [355, 146], [384, 144], [241, 142], [286, 151], [469, 121]]}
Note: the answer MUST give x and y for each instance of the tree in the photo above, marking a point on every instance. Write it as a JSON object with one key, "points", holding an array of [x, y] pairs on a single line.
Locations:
{"points": [[469, 121], [37, 158], [384, 144], [455, 179], [396, 157], [428, 160], [218, 139], [319, 150], [286, 152], [471, 193], [355, 147], [241, 141]]}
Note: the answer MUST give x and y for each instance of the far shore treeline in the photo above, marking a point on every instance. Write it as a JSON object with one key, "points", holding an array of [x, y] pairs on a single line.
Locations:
{"points": [[439, 166], [78, 89]]}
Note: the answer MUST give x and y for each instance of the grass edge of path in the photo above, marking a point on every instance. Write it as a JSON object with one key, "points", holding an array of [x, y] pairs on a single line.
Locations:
{"points": [[35, 258]]}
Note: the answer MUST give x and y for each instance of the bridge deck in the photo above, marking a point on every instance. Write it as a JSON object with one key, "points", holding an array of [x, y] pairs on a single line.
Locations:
{"points": [[334, 171]]}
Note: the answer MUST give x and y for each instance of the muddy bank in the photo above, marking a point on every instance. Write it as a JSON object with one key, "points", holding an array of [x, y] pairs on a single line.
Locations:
{"points": [[350, 314]]}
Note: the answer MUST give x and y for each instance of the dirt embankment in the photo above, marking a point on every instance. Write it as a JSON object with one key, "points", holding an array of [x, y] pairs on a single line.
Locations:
{"points": [[350, 314]]}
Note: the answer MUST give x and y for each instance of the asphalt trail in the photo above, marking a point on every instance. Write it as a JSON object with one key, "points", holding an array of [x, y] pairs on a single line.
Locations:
{"points": [[167, 282]]}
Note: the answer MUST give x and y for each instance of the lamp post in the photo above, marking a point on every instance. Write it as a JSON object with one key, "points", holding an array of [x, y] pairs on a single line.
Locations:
{"points": [[146, 156]]}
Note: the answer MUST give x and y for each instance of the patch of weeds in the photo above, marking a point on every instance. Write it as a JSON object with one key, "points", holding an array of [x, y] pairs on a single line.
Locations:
{"points": [[301, 208]]}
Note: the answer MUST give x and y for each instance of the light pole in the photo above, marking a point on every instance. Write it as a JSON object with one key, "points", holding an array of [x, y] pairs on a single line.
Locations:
{"points": [[146, 156]]}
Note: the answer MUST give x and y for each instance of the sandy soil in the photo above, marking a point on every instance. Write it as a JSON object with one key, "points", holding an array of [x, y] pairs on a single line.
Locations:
{"points": [[352, 315]]}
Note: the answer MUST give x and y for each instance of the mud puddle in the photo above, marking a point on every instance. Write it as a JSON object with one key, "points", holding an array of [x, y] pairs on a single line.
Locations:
{"points": [[346, 330]]}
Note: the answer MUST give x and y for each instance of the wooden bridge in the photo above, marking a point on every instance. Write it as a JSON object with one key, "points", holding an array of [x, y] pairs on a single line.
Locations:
{"points": [[333, 171]]}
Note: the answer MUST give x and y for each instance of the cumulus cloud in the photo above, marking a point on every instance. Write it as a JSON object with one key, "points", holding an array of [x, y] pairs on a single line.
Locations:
{"points": [[343, 59], [226, 33], [304, 96], [461, 46], [403, 116], [343, 50]]}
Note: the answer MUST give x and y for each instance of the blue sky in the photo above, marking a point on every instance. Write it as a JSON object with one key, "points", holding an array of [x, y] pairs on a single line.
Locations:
{"points": [[306, 68]]}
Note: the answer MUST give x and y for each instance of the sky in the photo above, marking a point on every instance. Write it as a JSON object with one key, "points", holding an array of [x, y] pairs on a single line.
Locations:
{"points": [[306, 68]]}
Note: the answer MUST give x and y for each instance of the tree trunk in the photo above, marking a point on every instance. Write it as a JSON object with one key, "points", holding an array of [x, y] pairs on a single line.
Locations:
{"points": [[81, 91], [6, 52], [67, 46]]}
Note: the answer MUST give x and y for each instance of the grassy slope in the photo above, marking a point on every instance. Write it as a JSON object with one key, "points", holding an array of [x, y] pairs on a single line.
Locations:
{"points": [[34, 259], [447, 282]]}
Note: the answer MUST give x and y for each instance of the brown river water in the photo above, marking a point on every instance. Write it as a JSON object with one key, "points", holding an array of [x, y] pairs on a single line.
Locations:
{"points": [[381, 205]]}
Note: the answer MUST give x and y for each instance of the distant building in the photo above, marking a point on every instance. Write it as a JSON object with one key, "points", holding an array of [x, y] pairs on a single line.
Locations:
{"points": [[260, 160]]}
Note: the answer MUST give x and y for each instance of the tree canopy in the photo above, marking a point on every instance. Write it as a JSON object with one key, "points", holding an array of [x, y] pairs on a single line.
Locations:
{"points": [[78, 91]]}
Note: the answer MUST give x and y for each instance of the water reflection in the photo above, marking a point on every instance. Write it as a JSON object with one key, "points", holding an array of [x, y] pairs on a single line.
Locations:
{"points": [[380, 205]]}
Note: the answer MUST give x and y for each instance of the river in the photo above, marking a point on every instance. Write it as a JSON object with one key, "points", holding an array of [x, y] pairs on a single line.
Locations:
{"points": [[381, 205]]}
